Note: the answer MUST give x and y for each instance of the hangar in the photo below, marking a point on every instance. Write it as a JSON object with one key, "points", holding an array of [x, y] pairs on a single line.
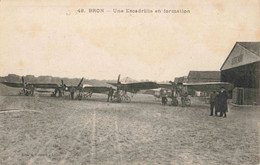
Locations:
{"points": [[241, 68], [203, 76]]}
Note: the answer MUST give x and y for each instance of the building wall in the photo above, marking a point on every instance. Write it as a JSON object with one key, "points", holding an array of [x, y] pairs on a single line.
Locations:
{"points": [[241, 68], [246, 96], [246, 76], [246, 80]]}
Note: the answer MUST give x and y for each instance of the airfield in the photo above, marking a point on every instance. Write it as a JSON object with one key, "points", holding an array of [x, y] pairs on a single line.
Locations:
{"points": [[45, 130]]}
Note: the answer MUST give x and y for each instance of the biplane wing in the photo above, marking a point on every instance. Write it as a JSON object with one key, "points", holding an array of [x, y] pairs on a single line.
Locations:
{"points": [[14, 85], [96, 89], [136, 86], [45, 86], [208, 86], [28, 88], [36, 85], [44, 91], [170, 85], [78, 87], [155, 92]]}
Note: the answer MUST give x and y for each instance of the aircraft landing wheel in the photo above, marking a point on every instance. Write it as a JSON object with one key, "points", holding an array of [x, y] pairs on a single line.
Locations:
{"points": [[187, 102], [127, 99], [79, 97], [174, 102], [118, 100], [27, 93]]}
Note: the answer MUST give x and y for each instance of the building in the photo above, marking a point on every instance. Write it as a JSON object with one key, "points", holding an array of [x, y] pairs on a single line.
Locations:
{"points": [[203, 76], [241, 68], [183, 79]]}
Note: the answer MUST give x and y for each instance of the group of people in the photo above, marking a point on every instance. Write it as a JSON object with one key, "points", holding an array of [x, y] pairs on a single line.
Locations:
{"points": [[110, 93], [218, 101], [185, 101], [28, 90]]}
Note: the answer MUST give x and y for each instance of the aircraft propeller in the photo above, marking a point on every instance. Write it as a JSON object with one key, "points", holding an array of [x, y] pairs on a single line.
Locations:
{"points": [[80, 82], [118, 88], [63, 86], [118, 83], [24, 86], [23, 82]]}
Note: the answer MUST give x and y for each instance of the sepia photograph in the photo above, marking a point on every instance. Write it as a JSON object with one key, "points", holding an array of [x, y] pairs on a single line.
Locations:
{"points": [[172, 82]]}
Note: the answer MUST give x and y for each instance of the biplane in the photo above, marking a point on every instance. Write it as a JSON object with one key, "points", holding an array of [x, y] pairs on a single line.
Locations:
{"points": [[184, 89], [84, 91], [205, 88], [171, 91], [88, 90], [189, 89], [29, 88], [123, 88]]}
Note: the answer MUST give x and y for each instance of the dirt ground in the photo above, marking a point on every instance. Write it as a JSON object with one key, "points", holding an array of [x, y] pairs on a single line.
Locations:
{"points": [[45, 130]]}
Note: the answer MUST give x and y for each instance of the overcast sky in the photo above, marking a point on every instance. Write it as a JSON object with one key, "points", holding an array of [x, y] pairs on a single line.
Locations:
{"points": [[51, 38]]}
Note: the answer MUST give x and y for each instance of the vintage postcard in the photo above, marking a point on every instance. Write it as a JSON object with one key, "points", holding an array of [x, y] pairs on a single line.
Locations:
{"points": [[129, 82]]}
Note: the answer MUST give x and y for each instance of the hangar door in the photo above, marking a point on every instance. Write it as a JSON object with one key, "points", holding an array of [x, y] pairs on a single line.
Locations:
{"points": [[240, 96]]}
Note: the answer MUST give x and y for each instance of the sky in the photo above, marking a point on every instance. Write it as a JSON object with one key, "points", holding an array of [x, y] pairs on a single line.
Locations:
{"points": [[52, 38]]}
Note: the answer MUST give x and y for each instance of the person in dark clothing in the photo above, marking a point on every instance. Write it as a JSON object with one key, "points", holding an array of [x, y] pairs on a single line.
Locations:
{"points": [[164, 96], [213, 96], [222, 102], [217, 104], [54, 93], [184, 96], [72, 91], [164, 100], [32, 90], [110, 94], [60, 93]]}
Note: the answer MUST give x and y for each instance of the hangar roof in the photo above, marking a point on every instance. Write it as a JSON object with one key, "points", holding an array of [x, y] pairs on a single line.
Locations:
{"points": [[203, 76], [254, 47], [243, 53], [182, 79]]}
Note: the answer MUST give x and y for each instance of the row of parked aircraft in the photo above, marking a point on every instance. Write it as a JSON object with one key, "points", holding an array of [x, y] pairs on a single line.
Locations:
{"points": [[120, 89]]}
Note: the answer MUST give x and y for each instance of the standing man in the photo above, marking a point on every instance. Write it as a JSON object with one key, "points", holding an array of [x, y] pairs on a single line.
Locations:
{"points": [[54, 93], [222, 101], [110, 94], [164, 96], [60, 93], [31, 88], [212, 100], [184, 96], [72, 91]]}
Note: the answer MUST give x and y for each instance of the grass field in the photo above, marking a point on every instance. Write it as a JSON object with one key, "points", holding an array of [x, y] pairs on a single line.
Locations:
{"points": [[45, 130]]}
